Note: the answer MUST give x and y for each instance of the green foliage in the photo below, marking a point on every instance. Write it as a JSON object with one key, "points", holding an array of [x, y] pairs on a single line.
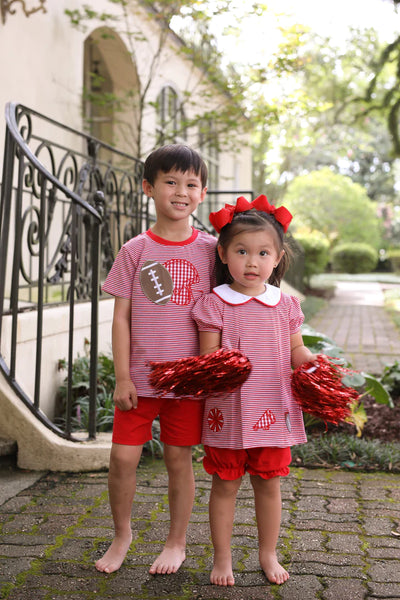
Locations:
{"points": [[326, 120], [316, 253], [320, 343], [393, 255], [391, 378], [354, 258], [334, 205], [375, 388], [80, 392], [104, 397], [381, 94], [348, 452], [226, 111]]}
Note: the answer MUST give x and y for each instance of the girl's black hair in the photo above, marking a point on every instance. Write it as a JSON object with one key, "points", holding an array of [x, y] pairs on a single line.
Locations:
{"points": [[177, 157], [255, 220]]}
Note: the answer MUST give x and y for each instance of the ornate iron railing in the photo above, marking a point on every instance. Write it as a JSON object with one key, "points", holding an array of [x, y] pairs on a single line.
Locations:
{"points": [[65, 210], [68, 202]]}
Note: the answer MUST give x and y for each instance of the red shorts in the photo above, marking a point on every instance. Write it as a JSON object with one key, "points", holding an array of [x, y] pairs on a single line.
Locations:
{"points": [[180, 422], [231, 464]]}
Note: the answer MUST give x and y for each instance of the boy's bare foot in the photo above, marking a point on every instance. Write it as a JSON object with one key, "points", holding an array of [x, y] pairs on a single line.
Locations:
{"points": [[168, 561], [114, 557], [222, 573], [274, 572]]}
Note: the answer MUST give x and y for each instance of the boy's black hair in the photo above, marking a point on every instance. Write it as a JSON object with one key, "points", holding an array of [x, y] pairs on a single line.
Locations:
{"points": [[177, 157], [255, 220]]}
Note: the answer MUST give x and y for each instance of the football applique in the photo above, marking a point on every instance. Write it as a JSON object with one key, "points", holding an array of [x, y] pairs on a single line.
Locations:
{"points": [[156, 282]]}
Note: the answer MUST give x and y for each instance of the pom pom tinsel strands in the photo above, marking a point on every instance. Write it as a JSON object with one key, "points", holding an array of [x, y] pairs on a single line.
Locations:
{"points": [[200, 376], [318, 389]]}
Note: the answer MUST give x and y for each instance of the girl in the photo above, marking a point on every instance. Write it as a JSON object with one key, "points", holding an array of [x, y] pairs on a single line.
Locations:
{"points": [[253, 428]]}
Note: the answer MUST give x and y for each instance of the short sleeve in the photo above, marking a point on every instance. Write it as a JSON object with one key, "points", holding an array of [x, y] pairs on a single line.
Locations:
{"points": [[296, 317], [120, 277], [207, 313]]}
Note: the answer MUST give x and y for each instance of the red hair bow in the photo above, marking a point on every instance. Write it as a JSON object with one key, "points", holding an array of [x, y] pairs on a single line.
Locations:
{"points": [[225, 215]]}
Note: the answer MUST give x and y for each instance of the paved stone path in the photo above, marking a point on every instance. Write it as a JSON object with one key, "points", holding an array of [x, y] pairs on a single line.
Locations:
{"points": [[356, 320], [340, 539]]}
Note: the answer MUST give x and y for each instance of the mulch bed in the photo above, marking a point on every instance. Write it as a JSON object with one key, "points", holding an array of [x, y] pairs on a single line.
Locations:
{"points": [[383, 422]]}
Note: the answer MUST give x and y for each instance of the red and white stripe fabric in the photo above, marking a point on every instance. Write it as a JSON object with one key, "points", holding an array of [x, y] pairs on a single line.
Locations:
{"points": [[262, 412], [161, 332]]}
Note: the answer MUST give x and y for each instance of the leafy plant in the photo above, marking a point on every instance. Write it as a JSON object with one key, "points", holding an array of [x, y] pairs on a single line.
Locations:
{"points": [[104, 397], [332, 204], [316, 252], [80, 391], [393, 254], [391, 378], [349, 452]]}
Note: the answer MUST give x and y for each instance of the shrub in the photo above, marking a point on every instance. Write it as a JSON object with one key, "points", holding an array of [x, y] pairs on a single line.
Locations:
{"points": [[393, 255], [104, 398], [354, 258], [333, 204], [391, 378], [316, 253]]}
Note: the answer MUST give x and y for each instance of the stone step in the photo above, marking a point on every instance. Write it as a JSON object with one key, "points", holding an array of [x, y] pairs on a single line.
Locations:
{"points": [[7, 447]]}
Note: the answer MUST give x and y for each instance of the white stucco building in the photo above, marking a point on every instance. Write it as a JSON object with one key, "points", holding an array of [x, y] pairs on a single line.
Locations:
{"points": [[48, 65], [155, 93]]}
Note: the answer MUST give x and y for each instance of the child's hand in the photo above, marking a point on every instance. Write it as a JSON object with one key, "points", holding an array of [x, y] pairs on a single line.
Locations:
{"points": [[313, 357], [125, 395], [301, 354]]}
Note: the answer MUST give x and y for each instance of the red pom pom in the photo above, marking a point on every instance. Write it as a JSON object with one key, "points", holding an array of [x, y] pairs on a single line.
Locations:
{"points": [[200, 376], [318, 389]]}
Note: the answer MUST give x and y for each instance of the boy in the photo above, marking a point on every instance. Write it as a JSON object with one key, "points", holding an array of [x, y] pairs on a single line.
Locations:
{"points": [[156, 278]]}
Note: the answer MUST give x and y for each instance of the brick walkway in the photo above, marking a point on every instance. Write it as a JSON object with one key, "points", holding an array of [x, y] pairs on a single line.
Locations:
{"points": [[356, 320], [340, 539]]}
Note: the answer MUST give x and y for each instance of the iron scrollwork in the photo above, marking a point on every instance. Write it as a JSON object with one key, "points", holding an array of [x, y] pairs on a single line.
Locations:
{"points": [[102, 177], [6, 8]]}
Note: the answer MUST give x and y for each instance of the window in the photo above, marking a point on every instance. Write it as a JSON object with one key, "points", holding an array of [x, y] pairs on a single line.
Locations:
{"points": [[208, 145], [171, 118]]}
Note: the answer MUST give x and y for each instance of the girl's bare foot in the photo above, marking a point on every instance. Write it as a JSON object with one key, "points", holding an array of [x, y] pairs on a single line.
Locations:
{"points": [[168, 561], [222, 573], [114, 557], [274, 572]]}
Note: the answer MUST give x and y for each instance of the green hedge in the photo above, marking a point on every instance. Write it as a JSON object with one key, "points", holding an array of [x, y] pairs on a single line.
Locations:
{"points": [[393, 255], [354, 258], [316, 253]]}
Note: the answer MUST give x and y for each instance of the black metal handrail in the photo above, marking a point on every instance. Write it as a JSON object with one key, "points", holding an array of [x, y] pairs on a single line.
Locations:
{"points": [[68, 202], [64, 212]]}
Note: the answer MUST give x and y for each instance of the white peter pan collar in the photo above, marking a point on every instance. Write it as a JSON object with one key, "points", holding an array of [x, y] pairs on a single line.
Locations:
{"points": [[271, 296]]}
